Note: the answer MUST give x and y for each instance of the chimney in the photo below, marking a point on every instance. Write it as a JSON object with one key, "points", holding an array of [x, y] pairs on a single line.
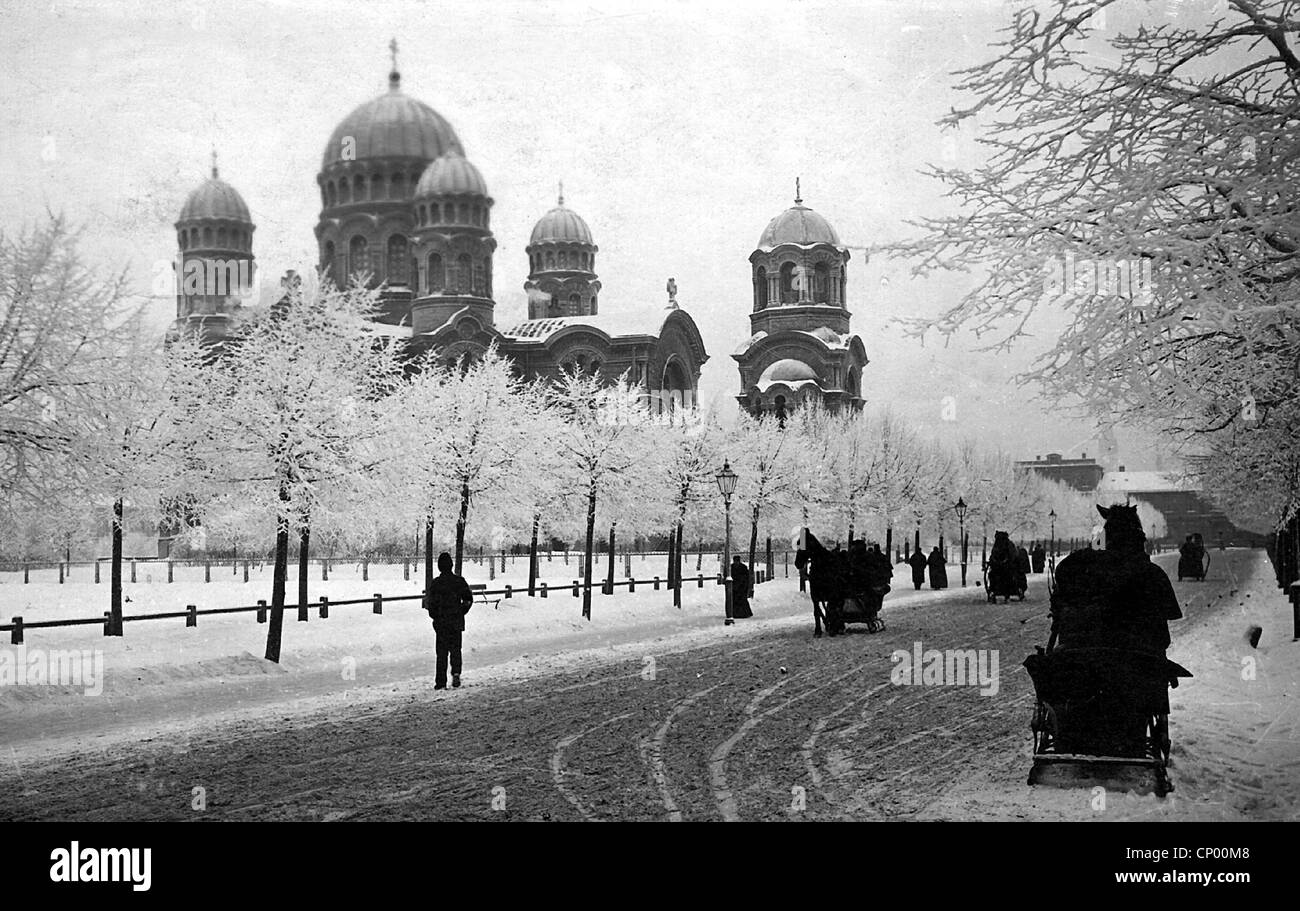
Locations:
{"points": [[1121, 468], [1083, 455]]}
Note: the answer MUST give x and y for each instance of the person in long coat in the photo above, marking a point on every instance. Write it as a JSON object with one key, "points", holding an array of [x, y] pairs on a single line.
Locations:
{"points": [[740, 590], [917, 562], [1022, 569], [938, 569], [1039, 555]]}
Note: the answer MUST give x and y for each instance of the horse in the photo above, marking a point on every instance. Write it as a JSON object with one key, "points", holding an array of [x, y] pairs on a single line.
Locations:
{"points": [[827, 575]]}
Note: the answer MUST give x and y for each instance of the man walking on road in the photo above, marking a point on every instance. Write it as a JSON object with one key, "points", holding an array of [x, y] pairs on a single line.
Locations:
{"points": [[448, 601]]}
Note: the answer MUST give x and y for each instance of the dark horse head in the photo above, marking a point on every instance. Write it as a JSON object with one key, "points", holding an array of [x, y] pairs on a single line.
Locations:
{"points": [[1123, 528]]}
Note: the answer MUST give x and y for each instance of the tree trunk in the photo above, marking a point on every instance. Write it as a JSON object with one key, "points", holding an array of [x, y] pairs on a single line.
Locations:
{"points": [[115, 589], [428, 558], [586, 568], [532, 556], [460, 524], [889, 542], [609, 582], [672, 544], [274, 630], [753, 549], [304, 547], [677, 565]]}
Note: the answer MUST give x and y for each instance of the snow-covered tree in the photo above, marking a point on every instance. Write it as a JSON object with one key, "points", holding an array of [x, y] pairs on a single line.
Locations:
{"points": [[289, 421], [601, 435], [766, 465]]}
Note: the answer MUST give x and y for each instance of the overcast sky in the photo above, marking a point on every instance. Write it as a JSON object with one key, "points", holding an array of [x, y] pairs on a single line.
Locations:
{"points": [[677, 128]]}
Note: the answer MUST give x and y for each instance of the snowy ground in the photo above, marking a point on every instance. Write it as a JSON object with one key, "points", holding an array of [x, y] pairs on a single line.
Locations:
{"points": [[647, 712]]}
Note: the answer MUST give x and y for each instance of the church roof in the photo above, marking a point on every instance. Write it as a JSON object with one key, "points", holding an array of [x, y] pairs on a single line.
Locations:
{"points": [[798, 225], [615, 325], [215, 198], [452, 174], [561, 225], [1136, 482], [393, 125], [789, 372]]}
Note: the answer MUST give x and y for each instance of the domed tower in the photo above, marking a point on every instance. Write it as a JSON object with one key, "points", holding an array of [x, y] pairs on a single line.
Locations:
{"points": [[453, 244], [561, 266], [801, 347], [372, 163], [214, 234]]}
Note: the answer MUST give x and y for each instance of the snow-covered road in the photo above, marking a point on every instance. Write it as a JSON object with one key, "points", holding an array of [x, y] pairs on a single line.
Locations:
{"points": [[698, 721]]}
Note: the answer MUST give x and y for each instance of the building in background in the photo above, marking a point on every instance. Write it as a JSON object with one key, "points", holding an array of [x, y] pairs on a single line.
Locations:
{"points": [[1082, 473]]}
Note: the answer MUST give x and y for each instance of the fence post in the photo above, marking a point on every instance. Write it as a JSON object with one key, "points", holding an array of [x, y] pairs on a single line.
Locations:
{"points": [[245, 570], [191, 615], [379, 603], [509, 591], [60, 572], [656, 583], [26, 573], [324, 570], [503, 561], [575, 588], [207, 571], [169, 570], [365, 570], [324, 607], [627, 565], [108, 623], [631, 584], [492, 569], [16, 634], [261, 611], [700, 581], [302, 613], [406, 570], [132, 572], [543, 589]]}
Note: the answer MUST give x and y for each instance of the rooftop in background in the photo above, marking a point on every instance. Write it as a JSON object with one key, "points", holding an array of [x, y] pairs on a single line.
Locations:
{"points": [[1082, 473], [1134, 482]]}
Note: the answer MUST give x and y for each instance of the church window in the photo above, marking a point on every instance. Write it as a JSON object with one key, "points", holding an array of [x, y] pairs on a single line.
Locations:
{"points": [[593, 305], [207, 237], [327, 266], [437, 275], [183, 240], [821, 283], [575, 305], [358, 255], [345, 191], [464, 272], [480, 283], [760, 288], [377, 184], [550, 259], [789, 283], [331, 194], [221, 238], [399, 260], [397, 189], [358, 188], [843, 288], [464, 213], [564, 260], [423, 215]]}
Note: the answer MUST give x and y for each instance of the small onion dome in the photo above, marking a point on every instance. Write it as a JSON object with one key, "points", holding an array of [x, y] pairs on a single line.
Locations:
{"points": [[787, 370], [394, 125], [798, 225], [452, 174], [215, 199], [561, 225]]}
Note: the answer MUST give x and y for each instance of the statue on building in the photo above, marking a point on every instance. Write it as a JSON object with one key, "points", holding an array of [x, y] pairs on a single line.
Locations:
{"points": [[672, 293]]}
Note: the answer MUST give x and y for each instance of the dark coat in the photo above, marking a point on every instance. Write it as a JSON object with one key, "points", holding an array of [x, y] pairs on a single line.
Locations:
{"points": [[449, 601], [740, 577], [938, 569], [1114, 599], [1039, 558], [917, 562]]}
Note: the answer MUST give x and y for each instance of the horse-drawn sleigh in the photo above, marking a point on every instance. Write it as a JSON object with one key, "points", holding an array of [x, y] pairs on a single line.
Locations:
{"points": [[1102, 682], [845, 586]]}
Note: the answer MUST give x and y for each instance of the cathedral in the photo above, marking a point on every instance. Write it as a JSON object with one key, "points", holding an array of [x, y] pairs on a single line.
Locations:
{"points": [[401, 203]]}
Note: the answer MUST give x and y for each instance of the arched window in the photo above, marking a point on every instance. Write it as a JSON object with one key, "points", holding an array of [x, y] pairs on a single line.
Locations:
{"points": [[550, 259], [843, 289], [221, 238], [553, 309], [327, 266], [464, 273], [183, 240], [464, 213], [564, 260], [207, 237], [358, 256], [424, 214], [359, 188], [575, 305], [789, 283], [760, 288], [194, 237], [478, 215], [345, 192], [399, 260], [331, 194], [435, 214], [821, 283], [593, 305], [437, 274], [778, 408], [397, 187], [377, 184], [480, 279]]}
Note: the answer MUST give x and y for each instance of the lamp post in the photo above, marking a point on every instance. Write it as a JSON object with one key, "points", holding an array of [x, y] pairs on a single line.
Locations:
{"points": [[961, 522], [727, 486], [1051, 553]]}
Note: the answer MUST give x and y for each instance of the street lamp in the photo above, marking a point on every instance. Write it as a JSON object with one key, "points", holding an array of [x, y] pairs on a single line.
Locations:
{"points": [[1052, 551], [727, 486], [961, 522]]}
